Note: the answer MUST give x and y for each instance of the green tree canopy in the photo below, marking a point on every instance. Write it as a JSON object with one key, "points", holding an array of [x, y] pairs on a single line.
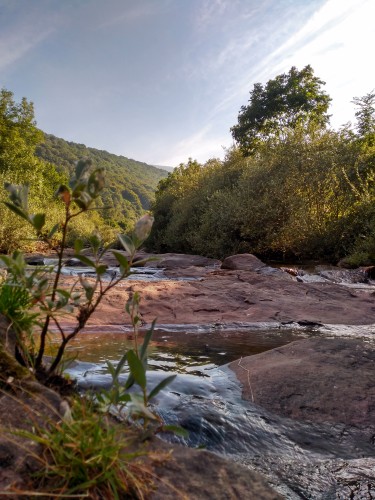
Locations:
{"points": [[365, 114], [286, 101]]}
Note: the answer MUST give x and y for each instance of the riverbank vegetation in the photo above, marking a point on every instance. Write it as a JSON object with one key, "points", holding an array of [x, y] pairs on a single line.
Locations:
{"points": [[291, 187]]}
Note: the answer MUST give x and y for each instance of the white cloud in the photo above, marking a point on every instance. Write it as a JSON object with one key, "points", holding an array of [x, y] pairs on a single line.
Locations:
{"points": [[336, 42], [16, 44], [201, 146]]}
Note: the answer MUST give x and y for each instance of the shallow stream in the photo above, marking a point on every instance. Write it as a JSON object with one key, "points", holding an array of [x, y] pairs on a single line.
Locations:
{"points": [[300, 460]]}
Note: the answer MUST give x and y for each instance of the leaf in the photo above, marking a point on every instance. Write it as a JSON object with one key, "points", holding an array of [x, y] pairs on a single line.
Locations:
{"points": [[137, 369], [96, 182], [146, 341], [63, 193], [140, 408], [111, 369], [120, 365], [82, 166], [85, 260], [17, 210], [89, 289], [123, 261], [127, 243], [78, 246], [143, 227], [176, 429], [101, 269], [38, 221], [55, 228], [161, 386]]}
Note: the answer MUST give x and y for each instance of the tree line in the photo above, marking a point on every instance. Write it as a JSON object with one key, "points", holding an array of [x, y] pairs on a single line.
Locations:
{"points": [[291, 187]]}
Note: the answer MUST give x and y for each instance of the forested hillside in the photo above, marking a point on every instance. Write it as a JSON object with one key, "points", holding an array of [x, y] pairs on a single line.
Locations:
{"points": [[291, 187], [130, 184], [43, 162]]}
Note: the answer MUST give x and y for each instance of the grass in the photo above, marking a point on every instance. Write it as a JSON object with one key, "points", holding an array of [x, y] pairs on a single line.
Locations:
{"points": [[86, 455]]}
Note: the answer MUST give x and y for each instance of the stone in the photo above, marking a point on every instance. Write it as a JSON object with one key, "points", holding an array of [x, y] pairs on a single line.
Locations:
{"points": [[317, 380], [243, 262]]}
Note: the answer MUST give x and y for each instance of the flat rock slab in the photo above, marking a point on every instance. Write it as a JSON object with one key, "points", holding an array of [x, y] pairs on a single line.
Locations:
{"points": [[223, 296], [319, 380]]}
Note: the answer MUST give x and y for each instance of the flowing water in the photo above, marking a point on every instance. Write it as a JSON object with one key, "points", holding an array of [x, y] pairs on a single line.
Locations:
{"points": [[299, 459]]}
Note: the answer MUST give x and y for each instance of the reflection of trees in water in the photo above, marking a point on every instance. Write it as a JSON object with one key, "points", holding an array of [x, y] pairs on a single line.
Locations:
{"points": [[178, 351]]}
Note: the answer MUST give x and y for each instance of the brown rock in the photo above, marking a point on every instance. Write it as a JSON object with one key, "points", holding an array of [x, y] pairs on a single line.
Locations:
{"points": [[176, 260], [198, 474], [243, 262], [237, 296], [320, 380]]}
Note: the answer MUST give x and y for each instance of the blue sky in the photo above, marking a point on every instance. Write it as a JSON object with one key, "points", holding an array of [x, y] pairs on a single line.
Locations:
{"points": [[163, 80]]}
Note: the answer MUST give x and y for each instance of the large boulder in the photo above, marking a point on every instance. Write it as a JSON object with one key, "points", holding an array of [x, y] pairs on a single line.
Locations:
{"points": [[243, 262]]}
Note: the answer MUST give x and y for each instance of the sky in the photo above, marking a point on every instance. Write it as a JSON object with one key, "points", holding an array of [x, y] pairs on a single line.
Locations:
{"points": [[161, 81]]}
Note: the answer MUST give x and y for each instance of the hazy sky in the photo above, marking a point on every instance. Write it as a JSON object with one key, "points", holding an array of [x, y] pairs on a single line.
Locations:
{"points": [[163, 80]]}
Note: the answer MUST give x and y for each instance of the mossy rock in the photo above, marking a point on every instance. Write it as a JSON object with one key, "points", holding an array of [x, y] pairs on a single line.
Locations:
{"points": [[9, 367]]}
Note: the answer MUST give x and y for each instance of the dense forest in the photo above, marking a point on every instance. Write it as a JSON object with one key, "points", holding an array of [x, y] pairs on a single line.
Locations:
{"points": [[291, 188], [27, 156]]}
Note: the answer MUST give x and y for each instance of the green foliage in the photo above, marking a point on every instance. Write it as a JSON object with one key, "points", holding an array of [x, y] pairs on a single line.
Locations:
{"points": [[309, 193], [51, 301], [365, 115], [291, 99], [130, 185], [19, 165]]}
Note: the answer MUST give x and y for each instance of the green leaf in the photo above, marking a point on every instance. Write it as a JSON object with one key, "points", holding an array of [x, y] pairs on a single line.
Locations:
{"points": [[137, 369], [88, 287], [122, 260], [146, 341], [161, 386], [127, 243], [111, 369], [140, 408], [38, 221], [101, 269], [82, 166], [96, 182], [85, 260], [78, 246], [55, 228], [176, 429], [17, 210], [120, 365]]}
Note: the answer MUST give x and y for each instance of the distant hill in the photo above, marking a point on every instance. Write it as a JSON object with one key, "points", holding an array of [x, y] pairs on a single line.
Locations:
{"points": [[169, 169], [130, 184]]}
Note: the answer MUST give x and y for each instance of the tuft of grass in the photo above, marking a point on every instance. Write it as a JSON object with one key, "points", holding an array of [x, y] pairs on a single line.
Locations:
{"points": [[87, 454]]}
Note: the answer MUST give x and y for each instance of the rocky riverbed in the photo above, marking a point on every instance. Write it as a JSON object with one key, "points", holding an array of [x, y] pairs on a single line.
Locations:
{"points": [[319, 391]]}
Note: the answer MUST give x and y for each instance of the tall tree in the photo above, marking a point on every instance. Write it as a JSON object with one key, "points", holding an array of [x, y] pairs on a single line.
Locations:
{"points": [[288, 100], [18, 134], [365, 114]]}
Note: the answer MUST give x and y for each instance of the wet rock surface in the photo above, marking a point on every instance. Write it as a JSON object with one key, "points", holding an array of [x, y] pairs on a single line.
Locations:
{"points": [[223, 296], [320, 380], [324, 381]]}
